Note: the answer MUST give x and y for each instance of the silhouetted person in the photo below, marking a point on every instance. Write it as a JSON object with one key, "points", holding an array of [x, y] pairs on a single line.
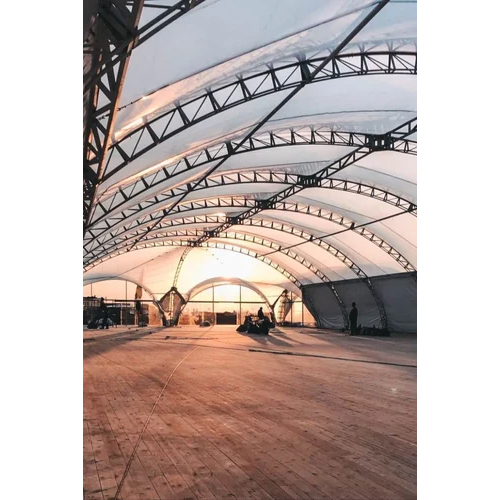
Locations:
{"points": [[104, 311], [260, 313], [138, 312], [353, 318]]}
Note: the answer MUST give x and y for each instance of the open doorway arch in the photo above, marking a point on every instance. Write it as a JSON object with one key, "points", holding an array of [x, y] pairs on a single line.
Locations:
{"points": [[221, 281]]}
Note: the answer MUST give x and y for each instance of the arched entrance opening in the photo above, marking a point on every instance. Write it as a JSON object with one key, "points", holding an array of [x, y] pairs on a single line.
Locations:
{"points": [[223, 301]]}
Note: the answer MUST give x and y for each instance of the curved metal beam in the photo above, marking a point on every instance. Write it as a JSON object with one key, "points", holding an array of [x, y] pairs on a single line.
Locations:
{"points": [[141, 221], [245, 89], [177, 274], [120, 49], [185, 218], [116, 26], [116, 198], [376, 143]]}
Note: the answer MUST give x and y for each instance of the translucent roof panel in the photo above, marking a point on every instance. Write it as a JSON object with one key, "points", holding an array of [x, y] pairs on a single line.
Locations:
{"points": [[291, 27]]}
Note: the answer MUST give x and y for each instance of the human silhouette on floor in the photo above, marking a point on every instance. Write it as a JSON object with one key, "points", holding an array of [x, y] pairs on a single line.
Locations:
{"points": [[353, 318], [104, 311], [260, 313]]}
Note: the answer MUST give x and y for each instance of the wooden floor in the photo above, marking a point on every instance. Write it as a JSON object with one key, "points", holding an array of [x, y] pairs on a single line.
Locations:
{"points": [[240, 419]]}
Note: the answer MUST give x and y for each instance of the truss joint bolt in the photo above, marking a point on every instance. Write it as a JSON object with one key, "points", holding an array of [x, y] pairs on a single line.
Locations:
{"points": [[234, 220], [380, 142], [266, 204], [308, 180]]}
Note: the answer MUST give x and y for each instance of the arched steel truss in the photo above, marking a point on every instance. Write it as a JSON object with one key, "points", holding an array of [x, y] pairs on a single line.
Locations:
{"points": [[208, 104], [177, 274], [321, 213], [303, 182], [112, 35], [114, 26], [247, 88], [117, 198], [153, 214], [295, 184]]}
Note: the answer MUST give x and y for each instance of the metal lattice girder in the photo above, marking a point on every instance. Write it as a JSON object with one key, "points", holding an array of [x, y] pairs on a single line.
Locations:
{"points": [[290, 95], [298, 183], [116, 35], [401, 132], [186, 219], [150, 185], [120, 49], [138, 223], [319, 212], [116, 26], [262, 221], [352, 157], [244, 89], [178, 272]]}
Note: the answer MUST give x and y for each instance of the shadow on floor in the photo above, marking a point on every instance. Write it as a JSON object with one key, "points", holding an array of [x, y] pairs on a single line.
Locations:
{"points": [[93, 346], [267, 339]]}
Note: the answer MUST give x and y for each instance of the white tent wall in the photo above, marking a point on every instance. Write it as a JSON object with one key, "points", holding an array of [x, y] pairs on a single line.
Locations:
{"points": [[356, 291], [323, 305], [397, 292]]}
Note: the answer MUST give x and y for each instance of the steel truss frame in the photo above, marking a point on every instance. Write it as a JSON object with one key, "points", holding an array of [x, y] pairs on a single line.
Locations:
{"points": [[115, 26], [379, 143], [283, 206], [348, 38], [121, 197], [151, 217], [177, 274], [211, 102], [321, 213], [113, 36], [110, 242], [376, 143], [118, 51], [149, 210]]}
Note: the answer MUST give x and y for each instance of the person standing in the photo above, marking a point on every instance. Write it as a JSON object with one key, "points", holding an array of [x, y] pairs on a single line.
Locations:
{"points": [[104, 311], [260, 313], [353, 318]]}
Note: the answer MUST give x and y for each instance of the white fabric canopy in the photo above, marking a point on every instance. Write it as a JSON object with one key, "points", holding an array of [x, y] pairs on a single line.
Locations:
{"points": [[324, 191]]}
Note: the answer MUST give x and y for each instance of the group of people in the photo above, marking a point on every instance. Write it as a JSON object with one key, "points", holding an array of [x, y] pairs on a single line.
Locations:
{"points": [[261, 326]]}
